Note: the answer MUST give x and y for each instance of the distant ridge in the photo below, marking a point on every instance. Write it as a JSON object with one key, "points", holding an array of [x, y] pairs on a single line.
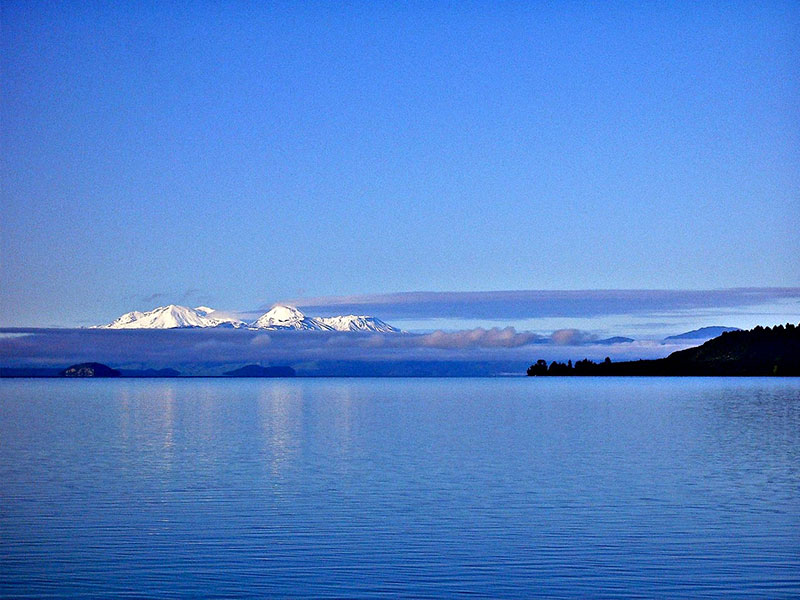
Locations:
{"points": [[704, 333], [617, 339], [259, 371]]}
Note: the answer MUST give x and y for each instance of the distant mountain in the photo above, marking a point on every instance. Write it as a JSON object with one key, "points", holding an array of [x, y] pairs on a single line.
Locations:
{"points": [[280, 317], [614, 340], [357, 323], [704, 333], [259, 371], [90, 369], [288, 317], [172, 317], [758, 352]]}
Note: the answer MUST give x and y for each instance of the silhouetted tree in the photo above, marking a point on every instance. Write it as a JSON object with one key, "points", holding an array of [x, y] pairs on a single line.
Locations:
{"points": [[540, 368]]}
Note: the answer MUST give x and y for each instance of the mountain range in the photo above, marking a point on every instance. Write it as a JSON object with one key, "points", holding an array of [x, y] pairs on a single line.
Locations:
{"points": [[279, 317], [285, 317]]}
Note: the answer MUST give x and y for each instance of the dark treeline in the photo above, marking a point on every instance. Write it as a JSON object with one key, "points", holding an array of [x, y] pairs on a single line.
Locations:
{"points": [[582, 367], [758, 352]]}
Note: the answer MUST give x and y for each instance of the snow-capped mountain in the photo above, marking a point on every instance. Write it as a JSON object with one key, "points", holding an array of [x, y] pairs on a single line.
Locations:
{"points": [[288, 317], [172, 317], [280, 317], [357, 323]]}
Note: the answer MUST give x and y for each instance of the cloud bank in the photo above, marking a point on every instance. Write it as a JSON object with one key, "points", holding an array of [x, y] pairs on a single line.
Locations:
{"points": [[203, 349]]}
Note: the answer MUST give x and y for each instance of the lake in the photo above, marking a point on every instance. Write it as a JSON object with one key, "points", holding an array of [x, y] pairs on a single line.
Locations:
{"points": [[387, 488]]}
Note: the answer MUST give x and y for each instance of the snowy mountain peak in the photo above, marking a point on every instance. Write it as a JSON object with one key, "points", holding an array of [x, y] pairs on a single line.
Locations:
{"points": [[281, 316], [170, 317], [289, 317], [281, 312]]}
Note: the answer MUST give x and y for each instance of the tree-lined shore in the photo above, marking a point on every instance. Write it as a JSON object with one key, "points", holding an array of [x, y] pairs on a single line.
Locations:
{"points": [[762, 351]]}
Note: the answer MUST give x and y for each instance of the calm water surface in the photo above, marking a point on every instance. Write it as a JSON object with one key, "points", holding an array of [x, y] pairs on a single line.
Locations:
{"points": [[496, 488]]}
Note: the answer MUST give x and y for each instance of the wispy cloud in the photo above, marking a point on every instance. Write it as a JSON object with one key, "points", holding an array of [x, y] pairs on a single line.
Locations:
{"points": [[192, 295], [160, 298], [153, 297], [533, 304]]}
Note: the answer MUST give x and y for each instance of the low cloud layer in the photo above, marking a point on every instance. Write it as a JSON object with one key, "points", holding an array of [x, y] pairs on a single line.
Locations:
{"points": [[479, 338], [572, 337], [207, 347]]}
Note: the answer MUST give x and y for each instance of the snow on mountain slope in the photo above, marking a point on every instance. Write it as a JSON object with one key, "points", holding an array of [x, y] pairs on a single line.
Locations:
{"points": [[279, 317], [357, 323], [171, 317], [288, 317]]}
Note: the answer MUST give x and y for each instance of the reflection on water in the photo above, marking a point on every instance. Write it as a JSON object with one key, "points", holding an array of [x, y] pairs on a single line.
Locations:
{"points": [[280, 408], [400, 488], [168, 401]]}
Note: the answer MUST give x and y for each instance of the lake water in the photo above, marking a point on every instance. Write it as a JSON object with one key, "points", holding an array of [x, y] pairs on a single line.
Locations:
{"points": [[385, 488]]}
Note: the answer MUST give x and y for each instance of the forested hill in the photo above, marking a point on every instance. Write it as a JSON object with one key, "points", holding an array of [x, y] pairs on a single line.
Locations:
{"points": [[759, 351]]}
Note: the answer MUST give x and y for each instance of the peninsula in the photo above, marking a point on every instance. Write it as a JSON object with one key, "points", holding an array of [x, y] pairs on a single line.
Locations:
{"points": [[762, 351]]}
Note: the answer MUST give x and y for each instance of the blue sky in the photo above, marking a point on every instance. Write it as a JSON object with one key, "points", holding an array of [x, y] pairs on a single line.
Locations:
{"points": [[236, 154]]}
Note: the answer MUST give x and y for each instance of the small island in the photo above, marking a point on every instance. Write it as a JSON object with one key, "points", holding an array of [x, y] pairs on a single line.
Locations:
{"points": [[90, 369], [762, 351]]}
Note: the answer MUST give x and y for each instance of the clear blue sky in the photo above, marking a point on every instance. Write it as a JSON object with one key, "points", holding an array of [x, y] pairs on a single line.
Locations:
{"points": [[235, 154]]}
